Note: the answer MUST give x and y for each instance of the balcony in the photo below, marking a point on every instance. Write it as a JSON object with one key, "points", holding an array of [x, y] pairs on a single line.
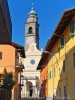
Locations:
{"points": [[5, 23], [19, 65]]}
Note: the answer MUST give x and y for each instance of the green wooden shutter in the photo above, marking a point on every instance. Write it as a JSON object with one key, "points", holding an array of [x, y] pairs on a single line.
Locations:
{"points": [[72, 28], [74, 59], [62, 41], [64, 66], [50, 74]]}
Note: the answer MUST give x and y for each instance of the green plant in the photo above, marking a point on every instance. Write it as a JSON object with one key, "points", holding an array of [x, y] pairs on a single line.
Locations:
{"points": [[8, 83]]}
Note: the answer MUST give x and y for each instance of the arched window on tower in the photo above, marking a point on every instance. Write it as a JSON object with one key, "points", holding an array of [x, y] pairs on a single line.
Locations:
{"points": [[30, 29]]}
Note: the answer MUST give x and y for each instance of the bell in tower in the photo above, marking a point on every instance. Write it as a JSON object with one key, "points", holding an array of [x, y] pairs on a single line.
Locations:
{"points": [[32, 29]]}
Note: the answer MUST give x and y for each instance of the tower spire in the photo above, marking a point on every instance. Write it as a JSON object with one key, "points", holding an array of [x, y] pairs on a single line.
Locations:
{"points": [[32, 12], [32, 6]]}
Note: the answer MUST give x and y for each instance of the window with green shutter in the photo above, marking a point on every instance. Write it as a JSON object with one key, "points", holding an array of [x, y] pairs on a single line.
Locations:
{"points": [[74, 59], [50, 74], [72, 28], [62, 41], [64, 67]]}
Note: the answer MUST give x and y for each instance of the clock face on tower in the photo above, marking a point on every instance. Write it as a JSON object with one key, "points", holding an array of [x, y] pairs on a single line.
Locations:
{"points": [[30, 39]]}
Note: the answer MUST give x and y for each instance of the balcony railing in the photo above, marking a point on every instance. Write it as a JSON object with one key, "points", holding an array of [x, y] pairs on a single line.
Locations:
{"points": [[6, 15]]}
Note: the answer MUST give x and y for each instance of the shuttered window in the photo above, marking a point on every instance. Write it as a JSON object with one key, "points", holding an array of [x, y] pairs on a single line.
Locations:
{"points": [[62, 41], [74, 59], [64, 67], [50, 74], [72, 28]]}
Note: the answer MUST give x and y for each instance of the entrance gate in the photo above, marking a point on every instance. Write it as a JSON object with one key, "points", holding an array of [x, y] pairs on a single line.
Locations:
{"points": [[27, 89]]}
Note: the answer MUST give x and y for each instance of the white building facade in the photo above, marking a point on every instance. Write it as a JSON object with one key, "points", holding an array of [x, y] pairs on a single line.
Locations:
{"points": [[30, 76]]}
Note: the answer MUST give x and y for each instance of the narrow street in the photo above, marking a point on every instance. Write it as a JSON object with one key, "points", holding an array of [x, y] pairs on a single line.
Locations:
{"points": [[33, 98]]}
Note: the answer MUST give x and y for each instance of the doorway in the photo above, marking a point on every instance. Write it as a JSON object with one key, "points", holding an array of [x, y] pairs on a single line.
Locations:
{"points": [[31, 91]]}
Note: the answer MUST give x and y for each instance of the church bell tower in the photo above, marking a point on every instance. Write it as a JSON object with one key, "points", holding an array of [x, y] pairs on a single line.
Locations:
{"points": [[31, 29]]}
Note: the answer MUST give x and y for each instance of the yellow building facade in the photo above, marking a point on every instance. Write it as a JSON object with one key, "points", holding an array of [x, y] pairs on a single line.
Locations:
{"points": [[61, 65], [60, 53]]}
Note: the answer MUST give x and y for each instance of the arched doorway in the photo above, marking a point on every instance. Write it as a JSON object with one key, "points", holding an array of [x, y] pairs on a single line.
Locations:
{"points": [[30, 88]]}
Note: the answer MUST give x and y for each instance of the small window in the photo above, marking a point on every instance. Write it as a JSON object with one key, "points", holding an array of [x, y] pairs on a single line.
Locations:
{"points": [[74, 59], [50, 74], [65, 95], [30, 29], [72, 28], [0, 55], [32, 62], [62, 41], [64, 66]]}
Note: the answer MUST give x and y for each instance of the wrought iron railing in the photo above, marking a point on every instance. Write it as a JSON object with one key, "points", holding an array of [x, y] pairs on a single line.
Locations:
{"points": [[6, 14]]}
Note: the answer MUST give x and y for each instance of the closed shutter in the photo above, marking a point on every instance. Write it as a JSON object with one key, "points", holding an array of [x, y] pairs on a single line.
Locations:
{"points": [[62, 41], [72, 28], [74, 59]]}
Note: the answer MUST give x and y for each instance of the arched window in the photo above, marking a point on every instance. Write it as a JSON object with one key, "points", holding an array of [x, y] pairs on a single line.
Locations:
{"points": [[30, 29]]}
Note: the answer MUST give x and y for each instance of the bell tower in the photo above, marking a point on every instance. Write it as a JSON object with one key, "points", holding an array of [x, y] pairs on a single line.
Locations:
{"points": [[31, 29]]}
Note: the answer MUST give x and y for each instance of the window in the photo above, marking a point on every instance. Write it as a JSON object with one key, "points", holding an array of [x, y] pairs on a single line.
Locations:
{"points": [[32, 62], [64, 66], [59, 92], [30, 29], [0, 55], [74, 59], [72, 28], [50, 74], [62, 41], [65, 95]]}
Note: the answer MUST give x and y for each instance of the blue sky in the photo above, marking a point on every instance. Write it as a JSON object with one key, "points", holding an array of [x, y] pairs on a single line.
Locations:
{"points": [[48, 11]]}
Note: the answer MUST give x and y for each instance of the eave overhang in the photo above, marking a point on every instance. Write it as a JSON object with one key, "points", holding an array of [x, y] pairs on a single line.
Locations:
{"points": [[61, 26], [19, 48]]}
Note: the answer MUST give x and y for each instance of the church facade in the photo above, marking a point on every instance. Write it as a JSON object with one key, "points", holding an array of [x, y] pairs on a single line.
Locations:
{"points": [[30, 76]]}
